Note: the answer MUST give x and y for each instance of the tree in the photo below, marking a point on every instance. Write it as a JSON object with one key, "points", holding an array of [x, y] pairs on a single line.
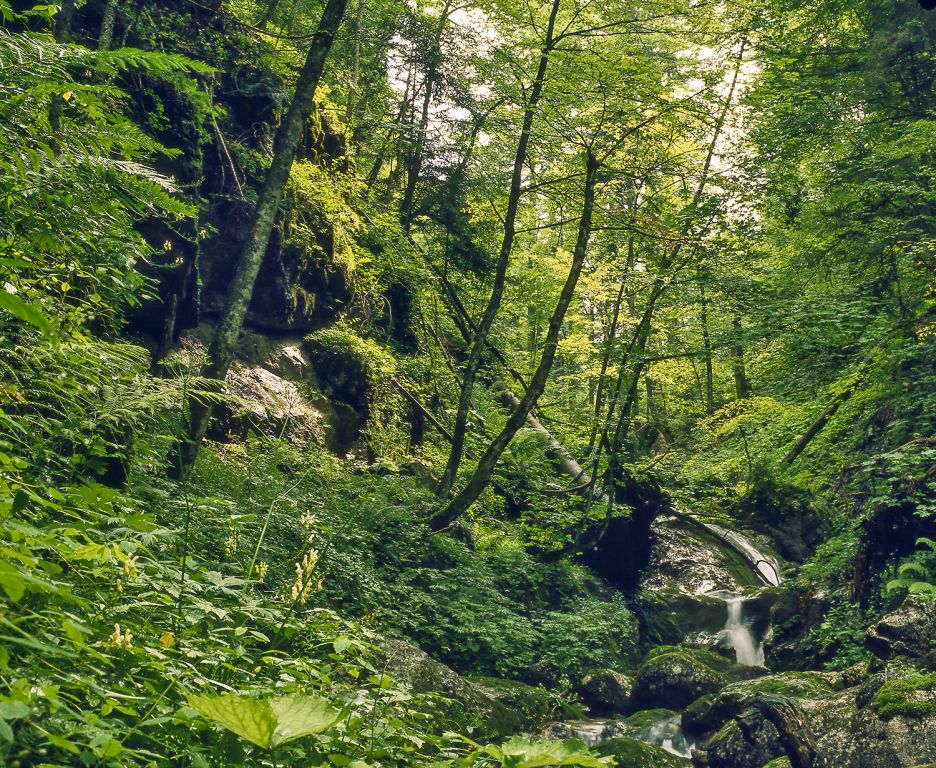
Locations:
{"points": [[285, 146]]}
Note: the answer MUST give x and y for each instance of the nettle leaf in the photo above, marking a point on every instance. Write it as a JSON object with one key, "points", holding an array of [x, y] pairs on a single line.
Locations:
{"points": [[268, 722]]}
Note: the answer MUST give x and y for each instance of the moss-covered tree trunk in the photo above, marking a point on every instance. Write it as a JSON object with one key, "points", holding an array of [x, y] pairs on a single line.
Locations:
{"points": [[285, 146]]}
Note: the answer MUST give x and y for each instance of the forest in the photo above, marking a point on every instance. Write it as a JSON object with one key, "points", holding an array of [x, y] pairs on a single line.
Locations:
{"points": [[468, 383]]}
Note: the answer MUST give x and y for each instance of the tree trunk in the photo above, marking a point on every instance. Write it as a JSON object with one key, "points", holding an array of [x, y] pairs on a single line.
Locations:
{"points": [[485, 468], [817, 426], [500, 275], [288, 138], [107, 25], [606, 356], [742, 385], [415, 161], [707, 346]]}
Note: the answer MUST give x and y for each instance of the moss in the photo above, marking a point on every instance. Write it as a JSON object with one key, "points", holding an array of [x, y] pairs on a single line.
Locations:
{"points": [[535, 705], [780, 762], [630, 753], [695, 655], [798, 685], [647, 718], [906, 697]]}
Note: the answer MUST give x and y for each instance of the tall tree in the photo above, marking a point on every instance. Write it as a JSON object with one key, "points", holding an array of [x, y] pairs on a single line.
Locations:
{"points": [[479, 340]]}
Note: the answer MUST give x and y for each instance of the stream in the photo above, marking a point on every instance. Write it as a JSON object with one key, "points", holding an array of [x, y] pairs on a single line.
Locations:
{"points": [[736, 634]]}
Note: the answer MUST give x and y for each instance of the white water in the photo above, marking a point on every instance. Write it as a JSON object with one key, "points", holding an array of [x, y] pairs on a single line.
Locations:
{"points": [[669, 735], [766, 567], [748, 652]]}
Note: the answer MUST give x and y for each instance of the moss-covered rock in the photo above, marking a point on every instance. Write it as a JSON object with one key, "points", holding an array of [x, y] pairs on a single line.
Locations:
{"points": [[631, 753], [910, 696], [533, 704], [711, 712], [606, 691], [670, 616], [470, 703], [675, 676], [733, 747], [780, 762]]}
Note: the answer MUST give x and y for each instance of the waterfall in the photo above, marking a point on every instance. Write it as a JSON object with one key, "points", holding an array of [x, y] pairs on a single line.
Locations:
{"points": [[668, 735], [738, 634]]}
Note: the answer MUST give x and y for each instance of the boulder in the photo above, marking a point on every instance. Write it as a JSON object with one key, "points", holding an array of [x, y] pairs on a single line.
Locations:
{"points": [[269, 404], [752, 746], [631, 752], [711, 712], [897, 730], [675, 676], [533, 704], [606, 692], [909, 631], [423, 674], [671, 616]]}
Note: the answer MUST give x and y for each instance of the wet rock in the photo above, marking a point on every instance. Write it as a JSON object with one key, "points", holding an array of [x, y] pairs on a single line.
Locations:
{"points": [[423, 674], [751, 746], [795, 613], [606, 692], [631, 752], [671, 616], [711, 712], [685, 559], [675, 676], [908, 631]]}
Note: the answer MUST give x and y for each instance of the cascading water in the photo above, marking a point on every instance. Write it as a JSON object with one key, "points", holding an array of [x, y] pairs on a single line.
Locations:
{"points": [[738, 635]]}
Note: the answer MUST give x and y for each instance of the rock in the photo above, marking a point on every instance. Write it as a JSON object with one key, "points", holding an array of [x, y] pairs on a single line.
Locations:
{"points": [[423, 674], [606, 692], [711, 712], [753, 746], [797, 610], [908, 631], [898, 730], [270, 405], [675, 676], [633, 753], [671, 616], [786, 514], [686, 559], [534, 705]]}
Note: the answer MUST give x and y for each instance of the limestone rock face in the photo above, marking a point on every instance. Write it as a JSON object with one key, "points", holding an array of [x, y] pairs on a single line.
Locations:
{"points": [[606, 692], [908, 631], [270, 404]]}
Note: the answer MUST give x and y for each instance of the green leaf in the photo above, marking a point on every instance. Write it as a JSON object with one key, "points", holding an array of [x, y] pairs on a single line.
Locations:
{"points": [[298, 716], [28, 313], [12, 581], [251, 719], [268, 722]]}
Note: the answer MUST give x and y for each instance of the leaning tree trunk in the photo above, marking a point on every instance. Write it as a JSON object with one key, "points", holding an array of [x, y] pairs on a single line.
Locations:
{"points": [[482, 474], [500, 275], [286, 144]]}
